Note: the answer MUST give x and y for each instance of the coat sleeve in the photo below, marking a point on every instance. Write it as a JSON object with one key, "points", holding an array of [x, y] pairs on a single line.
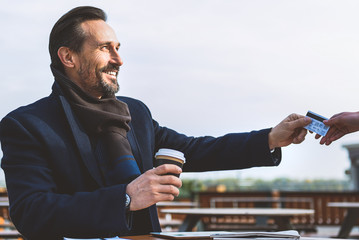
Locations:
{"points": [[228, 152], [38, 208]]}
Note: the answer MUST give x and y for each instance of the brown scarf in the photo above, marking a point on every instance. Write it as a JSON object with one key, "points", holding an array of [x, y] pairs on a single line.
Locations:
{"points": [[108, 121]]}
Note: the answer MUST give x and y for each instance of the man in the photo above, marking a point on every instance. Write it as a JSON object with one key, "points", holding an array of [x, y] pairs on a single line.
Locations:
{"points": [[340, 124], [79, 163]]}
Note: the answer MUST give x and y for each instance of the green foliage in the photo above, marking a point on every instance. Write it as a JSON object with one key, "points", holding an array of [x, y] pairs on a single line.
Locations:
{"points": [[191, 186]]}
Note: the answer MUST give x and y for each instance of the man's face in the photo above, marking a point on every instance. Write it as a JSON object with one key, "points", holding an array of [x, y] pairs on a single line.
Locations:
{"points": [[98, 63]]}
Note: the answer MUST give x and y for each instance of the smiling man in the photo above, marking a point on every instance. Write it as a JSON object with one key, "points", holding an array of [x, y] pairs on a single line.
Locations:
{"points": [[79, 163], [96, 66]]}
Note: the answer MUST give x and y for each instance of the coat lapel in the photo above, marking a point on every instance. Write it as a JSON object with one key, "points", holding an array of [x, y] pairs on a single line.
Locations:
{"points": [[136, 151], [82, 142]]}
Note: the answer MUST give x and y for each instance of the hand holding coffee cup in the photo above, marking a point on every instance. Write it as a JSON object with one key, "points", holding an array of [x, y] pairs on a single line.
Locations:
{"points": [[169, 156]]}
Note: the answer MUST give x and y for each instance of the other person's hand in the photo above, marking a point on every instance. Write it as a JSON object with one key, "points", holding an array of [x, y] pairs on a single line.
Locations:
{"points": [[289, 131], [154, 186], [340, 124]]}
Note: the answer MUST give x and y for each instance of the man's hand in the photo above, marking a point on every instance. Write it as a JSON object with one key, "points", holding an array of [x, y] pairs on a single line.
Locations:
{"points": [[340, 125], [288, 131], [154, 186]]}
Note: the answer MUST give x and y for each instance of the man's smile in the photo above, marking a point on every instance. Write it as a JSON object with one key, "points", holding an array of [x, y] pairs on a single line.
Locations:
{"points": [[111, 71], [113, 74]]}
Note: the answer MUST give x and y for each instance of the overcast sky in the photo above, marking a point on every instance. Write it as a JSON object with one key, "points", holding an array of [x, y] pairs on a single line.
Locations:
{"points": [[211, 67]]}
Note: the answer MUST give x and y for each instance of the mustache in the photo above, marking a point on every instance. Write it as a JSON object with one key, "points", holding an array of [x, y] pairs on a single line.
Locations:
{"points": [[110, 67]]}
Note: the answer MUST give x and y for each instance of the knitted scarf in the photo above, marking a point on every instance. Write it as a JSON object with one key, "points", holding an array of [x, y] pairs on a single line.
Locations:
{"points": [[107, 120]]}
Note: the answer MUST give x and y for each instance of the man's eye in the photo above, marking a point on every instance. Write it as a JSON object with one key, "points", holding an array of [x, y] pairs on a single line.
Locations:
{"points": [[104, 47]]}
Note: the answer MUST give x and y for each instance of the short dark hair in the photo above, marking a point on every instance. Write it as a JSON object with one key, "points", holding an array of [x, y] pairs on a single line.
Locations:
{"points": [[67, 31]]}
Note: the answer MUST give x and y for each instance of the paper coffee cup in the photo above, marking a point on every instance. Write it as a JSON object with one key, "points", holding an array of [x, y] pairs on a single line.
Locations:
{"points": [[169, 156]]}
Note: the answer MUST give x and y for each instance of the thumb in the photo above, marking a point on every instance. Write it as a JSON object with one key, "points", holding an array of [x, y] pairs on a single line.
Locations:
{"points": [[333, 120], [330, 122], [301, 122]]}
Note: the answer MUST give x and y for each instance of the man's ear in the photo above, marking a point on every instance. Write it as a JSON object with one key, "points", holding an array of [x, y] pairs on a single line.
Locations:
{"points": [[66, 57]]}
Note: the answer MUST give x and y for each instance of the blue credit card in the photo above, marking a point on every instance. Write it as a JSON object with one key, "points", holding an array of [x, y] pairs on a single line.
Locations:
{"points": [[317, 124]]}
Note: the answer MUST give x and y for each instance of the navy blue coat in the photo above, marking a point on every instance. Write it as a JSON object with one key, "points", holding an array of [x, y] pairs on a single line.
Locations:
{"points": [[55, 186]]}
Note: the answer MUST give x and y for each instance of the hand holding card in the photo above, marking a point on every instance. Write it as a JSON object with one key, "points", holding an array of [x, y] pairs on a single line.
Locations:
{"points": [[317, 124], [340, 124], [290, 130]]}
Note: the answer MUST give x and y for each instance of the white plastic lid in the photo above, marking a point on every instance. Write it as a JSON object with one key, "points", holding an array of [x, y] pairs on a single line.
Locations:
{"points": [[171, 153]]}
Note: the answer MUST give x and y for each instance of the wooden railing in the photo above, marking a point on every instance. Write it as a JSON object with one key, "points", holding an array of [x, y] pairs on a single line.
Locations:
{"points": [[325, 215], [318, 201]]}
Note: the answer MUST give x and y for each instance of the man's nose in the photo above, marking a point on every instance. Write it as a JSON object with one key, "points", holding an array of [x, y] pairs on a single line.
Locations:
{"points": [[116, 58]]}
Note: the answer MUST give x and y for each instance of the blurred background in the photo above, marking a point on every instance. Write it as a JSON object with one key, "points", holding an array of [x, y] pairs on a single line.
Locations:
{"points": [[212, 67]]}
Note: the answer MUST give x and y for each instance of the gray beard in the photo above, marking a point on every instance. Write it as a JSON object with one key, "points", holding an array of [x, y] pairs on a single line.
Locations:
{"points": [[103, 87], [109, 89]]}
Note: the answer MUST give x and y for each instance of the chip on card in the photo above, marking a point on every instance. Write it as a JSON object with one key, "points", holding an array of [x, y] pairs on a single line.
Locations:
{"points": [[317, 124]]}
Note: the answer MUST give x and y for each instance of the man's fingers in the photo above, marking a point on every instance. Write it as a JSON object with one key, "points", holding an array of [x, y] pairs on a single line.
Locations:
{"points": [[154, 186], [331, 132], [167, 168], [300, 137], [165, 197], [170, 179], [169, 189], [332, 135], [299, 123], [323, 140], [336, 135]]}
